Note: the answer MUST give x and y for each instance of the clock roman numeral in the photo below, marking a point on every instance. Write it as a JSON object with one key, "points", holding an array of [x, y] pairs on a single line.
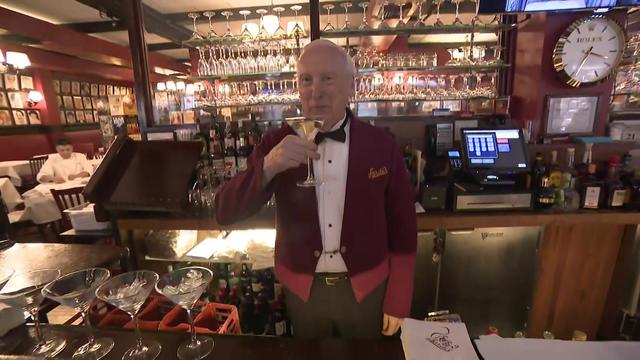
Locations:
{"points": [[613, 51], [605, 29], [595, 72], [578, 30], [613, 37]]}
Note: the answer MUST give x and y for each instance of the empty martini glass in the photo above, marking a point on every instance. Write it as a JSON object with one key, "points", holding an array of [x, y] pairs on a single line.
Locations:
{"points": [[128, 292], [78, 290], [305, 128], [24, 290], [184, 287]]}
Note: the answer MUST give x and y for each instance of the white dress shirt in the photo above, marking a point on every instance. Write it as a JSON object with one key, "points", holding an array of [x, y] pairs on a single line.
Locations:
{"points": [[57, 166], [331, 170]]}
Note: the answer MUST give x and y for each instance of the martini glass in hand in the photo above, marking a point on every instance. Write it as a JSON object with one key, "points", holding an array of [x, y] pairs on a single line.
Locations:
{"points": [[78, 290], [24, 290], [128, 292], [305, 128], [184, 287]]}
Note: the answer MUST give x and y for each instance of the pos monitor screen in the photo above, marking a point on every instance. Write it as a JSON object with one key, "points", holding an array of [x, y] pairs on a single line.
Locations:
{"points": [[494, 150]]}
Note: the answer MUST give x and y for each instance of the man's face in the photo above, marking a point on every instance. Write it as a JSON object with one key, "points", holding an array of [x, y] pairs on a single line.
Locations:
{"points": [[325, 85], [64, 151]]}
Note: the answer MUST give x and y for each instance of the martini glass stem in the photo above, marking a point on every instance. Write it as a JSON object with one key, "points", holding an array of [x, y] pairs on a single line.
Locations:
{"points": [[309, 174], [87, 324], [36, 321], [139, 345], [192, 327]]}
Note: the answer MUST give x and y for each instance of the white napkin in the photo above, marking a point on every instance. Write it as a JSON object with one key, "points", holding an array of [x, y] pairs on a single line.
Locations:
{"points": [[11, 318], [436, 341]]}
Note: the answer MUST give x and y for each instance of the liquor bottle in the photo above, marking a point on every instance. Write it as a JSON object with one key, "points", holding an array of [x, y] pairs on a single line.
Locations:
{"points": [[256, 282], [616, 191], [590, 189], [230, 166], [217, 156], [545, 196], [242, 148], [279, 319], [245, 278], [537, 173], [583, 167], [234, 296], [571, 196], [569, 172], [268, 284], [234, 279], [223, 276], [260, 314], [555, 173], [245, 311], [255, 134]]}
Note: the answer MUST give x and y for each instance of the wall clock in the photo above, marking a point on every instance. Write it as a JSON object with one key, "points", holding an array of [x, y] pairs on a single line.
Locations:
{"points": [[589, 50]]}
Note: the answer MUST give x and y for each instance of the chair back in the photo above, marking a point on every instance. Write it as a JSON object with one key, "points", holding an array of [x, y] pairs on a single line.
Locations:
{"points": [[36, 163], [86, 148], [66, 199]]}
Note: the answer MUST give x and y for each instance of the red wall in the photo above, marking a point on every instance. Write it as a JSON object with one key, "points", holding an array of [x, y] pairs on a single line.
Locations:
{"points": [[22, 147], [535, 78]]}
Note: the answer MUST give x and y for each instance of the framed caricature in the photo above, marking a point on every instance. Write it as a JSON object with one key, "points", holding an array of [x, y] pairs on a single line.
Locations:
{"points": [[88, 116], [59, 102], [116, 90], [102, 90], [80, 116], [65, 87], [11, 82], [75, 88], [71, 116], [34, 117], [85, 89], [68, 102], [63, 118], [77, 102], [4, 102], [86, 102], [574, 115], [109, 89], [26, 82], [15, 99], [5, 118], [94, 89], [56, 86], [19, 117]]}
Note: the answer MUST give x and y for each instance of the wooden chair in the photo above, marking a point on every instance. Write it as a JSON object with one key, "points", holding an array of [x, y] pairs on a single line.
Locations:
{"points": [[86, 148], [66, 199], [36, 163]]}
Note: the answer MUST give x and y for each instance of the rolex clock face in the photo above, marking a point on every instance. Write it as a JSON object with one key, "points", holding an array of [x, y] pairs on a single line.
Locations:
{"points": [[588, 51]]}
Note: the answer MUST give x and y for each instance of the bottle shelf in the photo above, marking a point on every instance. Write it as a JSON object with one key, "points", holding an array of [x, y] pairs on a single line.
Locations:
{"points": [[411, 30], [250, 76], [232, 40]]}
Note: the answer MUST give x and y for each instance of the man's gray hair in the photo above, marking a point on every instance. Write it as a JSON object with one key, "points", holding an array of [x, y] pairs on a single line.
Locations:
{"points": [[331, 46]]}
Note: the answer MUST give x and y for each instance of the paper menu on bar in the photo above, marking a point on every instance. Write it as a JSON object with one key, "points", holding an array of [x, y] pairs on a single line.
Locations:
{"points": [[436, 341]]}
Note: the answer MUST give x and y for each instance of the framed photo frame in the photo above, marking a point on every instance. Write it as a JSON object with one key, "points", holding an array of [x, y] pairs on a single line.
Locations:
{"points": [[571, 115], [452, 105], [63, 118], [20, 118], [95, 115], [102, 90], [94, 89], [11, 82], [65, 87], [124, 90], [109, 89], [16, 100], [4, 101], [88, 116], [85, 89], [59, 102], [5, 118], [75, 88], [116, 90], [26, 82], [77, 102], [70, 115], [56, 86], [80, 116], [67, 102], [34, 117], [86, 102]]}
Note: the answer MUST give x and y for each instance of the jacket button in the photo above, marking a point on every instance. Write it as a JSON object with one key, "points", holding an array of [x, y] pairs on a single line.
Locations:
{"points": [[316, 253], [343, 249]]}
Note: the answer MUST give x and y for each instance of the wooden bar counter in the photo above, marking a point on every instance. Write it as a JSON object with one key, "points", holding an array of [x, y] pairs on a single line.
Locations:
{"points": [[579, 262]]}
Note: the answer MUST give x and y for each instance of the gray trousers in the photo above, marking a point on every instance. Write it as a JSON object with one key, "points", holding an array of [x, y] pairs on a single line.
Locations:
{"points": [[332, 310]]}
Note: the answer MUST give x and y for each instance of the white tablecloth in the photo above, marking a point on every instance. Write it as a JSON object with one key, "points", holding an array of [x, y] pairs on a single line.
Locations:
{"points": [[40, 207], [9, 193], [15, 170]]}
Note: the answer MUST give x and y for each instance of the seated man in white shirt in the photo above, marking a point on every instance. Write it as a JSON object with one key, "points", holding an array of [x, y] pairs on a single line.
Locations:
{"points": [[65, 165]]}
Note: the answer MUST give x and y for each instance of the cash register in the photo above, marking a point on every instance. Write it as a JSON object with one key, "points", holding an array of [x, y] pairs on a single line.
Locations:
{"points": [[493, 171]]}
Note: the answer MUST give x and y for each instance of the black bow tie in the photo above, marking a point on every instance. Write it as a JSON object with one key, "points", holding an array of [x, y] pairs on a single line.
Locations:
{"points": [[338, 135]]}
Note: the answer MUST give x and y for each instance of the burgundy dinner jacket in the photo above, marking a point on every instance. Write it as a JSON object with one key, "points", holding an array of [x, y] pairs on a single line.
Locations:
{"points": [[379, 235]]}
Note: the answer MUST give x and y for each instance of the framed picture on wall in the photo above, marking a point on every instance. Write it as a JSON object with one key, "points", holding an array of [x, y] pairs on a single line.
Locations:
{"points": [[70, 115], [102, 90], [34, 117], [86, 101], [94, 89], [77, 102], [59, 101], [19, 117], [85, 89], [95, 115], [68, 102], [4, 103], [79, 116], [65, 87], [571, 115], [116, 90], [26, 82], [88, 116], [56, 86], [11, 82], [109, 89], [63, 118], [124, 90], [1, 82], [94, 102], [15, 99], [5, 118], [75, 88]]}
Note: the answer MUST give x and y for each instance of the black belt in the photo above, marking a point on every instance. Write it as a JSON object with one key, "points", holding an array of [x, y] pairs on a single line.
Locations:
{"points": [[331, 279]]}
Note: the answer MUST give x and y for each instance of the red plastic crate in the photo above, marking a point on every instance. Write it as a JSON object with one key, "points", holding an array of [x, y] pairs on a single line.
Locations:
{"points": [[214, 318]]}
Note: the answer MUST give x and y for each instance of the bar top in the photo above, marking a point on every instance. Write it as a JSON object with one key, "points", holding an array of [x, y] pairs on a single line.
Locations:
{"points": [[231, 347]]}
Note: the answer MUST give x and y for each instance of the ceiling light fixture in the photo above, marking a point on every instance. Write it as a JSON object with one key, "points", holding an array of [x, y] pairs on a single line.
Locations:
{"points": [[18, 60]]}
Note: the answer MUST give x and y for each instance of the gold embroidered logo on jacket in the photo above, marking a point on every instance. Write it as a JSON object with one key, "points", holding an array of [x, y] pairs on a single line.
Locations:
{"points": [[374, 174]]}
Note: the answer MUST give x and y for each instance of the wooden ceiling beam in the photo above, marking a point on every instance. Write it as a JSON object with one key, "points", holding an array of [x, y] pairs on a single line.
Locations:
{"points": [[95, 27]]}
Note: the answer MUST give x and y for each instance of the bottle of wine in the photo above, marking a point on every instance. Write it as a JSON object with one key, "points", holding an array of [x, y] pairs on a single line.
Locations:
{"points": [[591, 188], [555, 173], [230, 166], [537, 173], [616, 191], [242, 148], [545, 196]]}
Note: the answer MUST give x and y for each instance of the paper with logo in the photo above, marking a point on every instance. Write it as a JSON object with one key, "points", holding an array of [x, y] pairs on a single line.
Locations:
{"points": [[436, 341]]}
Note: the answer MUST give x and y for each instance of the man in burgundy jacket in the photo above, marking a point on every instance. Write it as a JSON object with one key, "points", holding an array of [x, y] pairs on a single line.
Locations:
{"points": [[345, 250]]}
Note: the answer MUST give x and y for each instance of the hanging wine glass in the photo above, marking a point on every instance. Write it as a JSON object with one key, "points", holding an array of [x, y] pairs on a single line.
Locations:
{"points": [[438, 4], [212, 63], [226, 14], [401, 23], [346, 6], [329, 26], [203, 67], [382, 24], [297, 30], [457, 20], [365, 23], [196, 35], [245, 33], [419, 23], [476, 19], [212, 34], [280, 32], [262, 33]]}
